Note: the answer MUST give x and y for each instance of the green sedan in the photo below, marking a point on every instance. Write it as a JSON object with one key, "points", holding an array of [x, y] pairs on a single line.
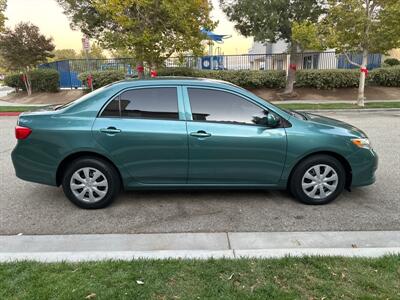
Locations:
{"points": [[175, 133]]}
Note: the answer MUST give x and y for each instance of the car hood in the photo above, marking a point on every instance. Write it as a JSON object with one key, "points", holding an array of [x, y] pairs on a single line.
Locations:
{"points": [[336, 123]]}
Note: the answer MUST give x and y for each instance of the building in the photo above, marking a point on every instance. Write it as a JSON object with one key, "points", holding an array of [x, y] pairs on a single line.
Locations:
{"points": [[273, 56]]}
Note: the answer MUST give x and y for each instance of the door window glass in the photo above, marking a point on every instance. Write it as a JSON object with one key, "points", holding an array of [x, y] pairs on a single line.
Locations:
{"points": [[219, 106], [151, 103]]}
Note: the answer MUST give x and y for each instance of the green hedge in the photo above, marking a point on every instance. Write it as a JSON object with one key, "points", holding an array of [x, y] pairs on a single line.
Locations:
{"points": [[386, 76], [327, 79], [244, 78], [14, 81], [42, 80], [392, 62], [320, 79], [102, 78], [45, 80]]}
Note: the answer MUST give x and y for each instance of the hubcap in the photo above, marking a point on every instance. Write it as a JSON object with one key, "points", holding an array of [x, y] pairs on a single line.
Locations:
{"points": [[89, 185], [319, 181]]}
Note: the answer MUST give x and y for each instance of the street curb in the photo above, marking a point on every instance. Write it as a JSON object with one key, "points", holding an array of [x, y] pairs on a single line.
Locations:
{"points": [[232, 245], [9, 114]]}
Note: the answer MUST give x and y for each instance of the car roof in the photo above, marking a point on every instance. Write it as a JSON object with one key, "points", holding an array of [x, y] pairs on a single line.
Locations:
{"points": [[170, 80]]}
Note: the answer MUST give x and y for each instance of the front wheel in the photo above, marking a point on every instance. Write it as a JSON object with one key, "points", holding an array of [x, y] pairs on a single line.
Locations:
{"points": [[91, 183], [318, 179]]}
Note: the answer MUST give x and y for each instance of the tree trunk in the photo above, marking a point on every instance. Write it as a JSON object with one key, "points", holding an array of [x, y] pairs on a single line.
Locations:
{"points": [[27, 83], [363, 75], [291, 70]]}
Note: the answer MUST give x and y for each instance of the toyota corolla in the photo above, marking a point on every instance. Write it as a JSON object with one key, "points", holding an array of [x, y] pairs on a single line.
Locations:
{"points": [[187, 133]]}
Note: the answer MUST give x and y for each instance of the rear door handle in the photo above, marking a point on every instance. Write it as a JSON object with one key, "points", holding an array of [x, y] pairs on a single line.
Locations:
{"points": [[200, 134], [110, 130]]}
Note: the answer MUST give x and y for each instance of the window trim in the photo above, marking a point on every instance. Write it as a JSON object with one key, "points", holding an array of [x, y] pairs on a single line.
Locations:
{"points": [[188, 107], [180, 109]]}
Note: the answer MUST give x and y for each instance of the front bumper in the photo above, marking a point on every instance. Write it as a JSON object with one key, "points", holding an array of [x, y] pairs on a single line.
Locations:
{"points": [[364, 164]]}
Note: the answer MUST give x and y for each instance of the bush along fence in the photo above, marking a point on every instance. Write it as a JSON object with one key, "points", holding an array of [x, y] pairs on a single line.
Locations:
{"points": [[69, 70], [319, 79], [42, 80]]}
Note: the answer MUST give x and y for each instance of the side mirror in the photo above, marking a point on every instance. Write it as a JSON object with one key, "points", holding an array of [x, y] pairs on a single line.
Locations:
{"points": [[272, 120]]}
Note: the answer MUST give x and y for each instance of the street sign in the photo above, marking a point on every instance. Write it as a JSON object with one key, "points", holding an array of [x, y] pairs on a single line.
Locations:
{"points": [[85, 43]]}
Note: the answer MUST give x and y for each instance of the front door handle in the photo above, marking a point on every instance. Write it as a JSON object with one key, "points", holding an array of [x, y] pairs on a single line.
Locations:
{"points": [[200, 134], [110, 130]]}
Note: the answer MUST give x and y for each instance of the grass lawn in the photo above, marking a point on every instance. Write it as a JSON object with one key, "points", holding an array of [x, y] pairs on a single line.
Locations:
{"points": [[287, 278], [16, 108], [309, 106]]}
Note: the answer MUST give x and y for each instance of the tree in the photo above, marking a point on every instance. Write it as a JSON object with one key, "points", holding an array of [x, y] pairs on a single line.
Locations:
{"points": [[63, 54], [3, 6], [122, 53], [151, 29], [23, 48], [269, 21], [362, 26], [306, 36]]}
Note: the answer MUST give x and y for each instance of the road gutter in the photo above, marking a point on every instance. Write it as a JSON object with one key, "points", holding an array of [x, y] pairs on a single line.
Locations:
{"points": [[94, 247]]}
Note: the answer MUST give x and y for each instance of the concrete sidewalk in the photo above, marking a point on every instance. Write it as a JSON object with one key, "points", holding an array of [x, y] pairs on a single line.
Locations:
{"points": [[51, 248], [6, 103]]}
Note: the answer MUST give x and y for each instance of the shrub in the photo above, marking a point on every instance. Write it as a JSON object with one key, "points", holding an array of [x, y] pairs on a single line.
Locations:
{"points": [[42, 80], [187, 72], [14, 81], [327, 79], [243, 78], [392, 62], [102, 78], [386, 76]]}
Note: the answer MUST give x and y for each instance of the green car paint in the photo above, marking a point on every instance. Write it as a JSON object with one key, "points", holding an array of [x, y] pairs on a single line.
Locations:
{"points": [[164, 153]]}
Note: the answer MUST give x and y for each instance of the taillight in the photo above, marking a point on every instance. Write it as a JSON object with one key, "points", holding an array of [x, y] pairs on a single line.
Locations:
{"points": [[22, 133]]}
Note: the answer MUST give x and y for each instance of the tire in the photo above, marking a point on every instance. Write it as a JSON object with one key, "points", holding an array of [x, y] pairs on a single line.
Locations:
{"points": [[308, 184], [100, 179]]}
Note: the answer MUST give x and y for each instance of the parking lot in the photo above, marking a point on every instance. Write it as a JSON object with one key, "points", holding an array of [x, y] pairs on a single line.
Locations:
{"points": [[30, 208]]}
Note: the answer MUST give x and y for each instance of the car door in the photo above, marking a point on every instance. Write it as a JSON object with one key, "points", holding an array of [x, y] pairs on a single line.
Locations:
{"points": [[142, 131], [227, 143]]}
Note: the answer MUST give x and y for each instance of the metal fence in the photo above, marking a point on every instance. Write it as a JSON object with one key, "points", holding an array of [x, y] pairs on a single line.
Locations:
{"points": [[69, 70]]}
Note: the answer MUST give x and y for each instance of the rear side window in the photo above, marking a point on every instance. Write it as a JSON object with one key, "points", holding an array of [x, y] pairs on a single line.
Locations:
{"points": [[219, 106], [112, 109], [152, 103]]}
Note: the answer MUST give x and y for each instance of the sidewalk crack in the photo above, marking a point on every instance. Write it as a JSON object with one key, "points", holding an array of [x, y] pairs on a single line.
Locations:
{"points": [[229, 241]]}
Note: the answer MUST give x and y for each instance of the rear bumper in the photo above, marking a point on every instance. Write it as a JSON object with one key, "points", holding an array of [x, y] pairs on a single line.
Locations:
{"points": [[364, 164], [32, 170]]}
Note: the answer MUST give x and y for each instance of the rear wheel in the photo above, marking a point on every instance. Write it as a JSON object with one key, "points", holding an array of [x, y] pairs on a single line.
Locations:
{"points": [[91, 183], [318, 179]]}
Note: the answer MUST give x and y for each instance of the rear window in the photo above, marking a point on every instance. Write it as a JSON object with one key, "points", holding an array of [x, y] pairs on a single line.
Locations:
{"points": [[151, 103]]}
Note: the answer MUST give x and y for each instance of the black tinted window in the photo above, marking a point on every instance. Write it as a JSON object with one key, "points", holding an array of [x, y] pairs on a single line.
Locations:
{"points": [[219, 106], [112, 109], [154, 103]]}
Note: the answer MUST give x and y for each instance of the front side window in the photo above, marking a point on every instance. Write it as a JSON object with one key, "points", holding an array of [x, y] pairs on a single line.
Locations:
{"points": [[149, 103], [220, 106]]}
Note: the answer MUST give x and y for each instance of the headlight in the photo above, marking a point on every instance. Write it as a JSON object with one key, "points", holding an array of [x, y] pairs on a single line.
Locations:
{"points": [[362, 143]]}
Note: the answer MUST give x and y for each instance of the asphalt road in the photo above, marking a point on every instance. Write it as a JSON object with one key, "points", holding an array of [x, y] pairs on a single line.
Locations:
{"points": [[30, 208]]}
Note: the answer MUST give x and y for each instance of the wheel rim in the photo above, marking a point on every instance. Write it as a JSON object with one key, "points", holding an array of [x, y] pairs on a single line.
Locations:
{"points": [[319, 181], [89, 184]]}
